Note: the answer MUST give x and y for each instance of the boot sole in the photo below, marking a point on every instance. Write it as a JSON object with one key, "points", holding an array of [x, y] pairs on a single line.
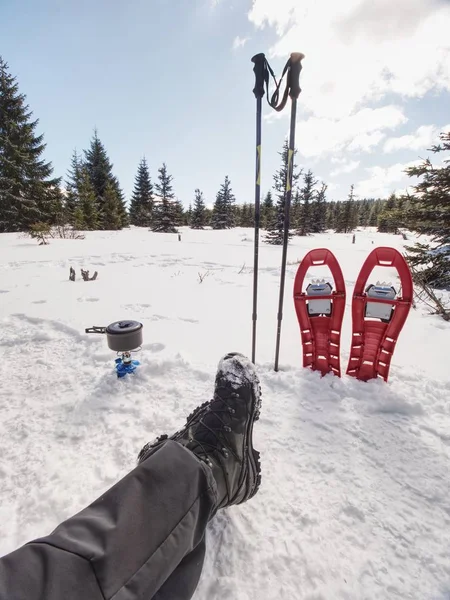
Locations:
{"points": [[253, 456]]}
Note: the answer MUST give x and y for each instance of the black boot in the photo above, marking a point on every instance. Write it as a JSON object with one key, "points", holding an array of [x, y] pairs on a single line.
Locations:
{"points": [[219, 432]]}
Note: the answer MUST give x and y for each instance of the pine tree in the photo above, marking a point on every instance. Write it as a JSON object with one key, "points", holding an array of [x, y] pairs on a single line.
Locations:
{"points": [[99, 168], [198, 219], [347, 217], [123, 212], [188, 215], [247, 215], [307, 194], [267, 210], [178, 211], [163, 214], [208, 216], [73, 180], [388, 218], [364, 212], [329, 218], [28, 194], [142, 200], [111, 217], [375, 210], [319, 210], [429, 214], [296, 210], [223, 210], [276, 226], [86, 211]]}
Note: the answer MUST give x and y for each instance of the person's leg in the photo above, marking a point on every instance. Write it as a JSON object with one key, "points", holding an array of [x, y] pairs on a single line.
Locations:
{"points": [[128, 542], [182, 583], [144, 538]]}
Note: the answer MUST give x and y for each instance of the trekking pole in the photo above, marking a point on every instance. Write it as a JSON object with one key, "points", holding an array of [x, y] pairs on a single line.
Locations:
{"points": [[259, 69], [293, 68]]}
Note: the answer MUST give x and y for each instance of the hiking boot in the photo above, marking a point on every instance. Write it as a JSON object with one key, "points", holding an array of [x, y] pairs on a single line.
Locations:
{"points": [[219, 432]]}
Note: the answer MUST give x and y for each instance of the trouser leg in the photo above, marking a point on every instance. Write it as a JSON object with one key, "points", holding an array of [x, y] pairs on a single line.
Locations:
{"points": [[127, 543], [182, 584]]}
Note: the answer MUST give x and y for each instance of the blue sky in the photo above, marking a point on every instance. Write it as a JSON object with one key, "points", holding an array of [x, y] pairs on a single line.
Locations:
{"points": [[172, 80]]}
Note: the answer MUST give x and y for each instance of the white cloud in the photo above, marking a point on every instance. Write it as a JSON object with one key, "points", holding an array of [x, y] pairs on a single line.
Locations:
{"points": [[382, 181], [239, 42], [319, 136], [421, 140], [360, 51], [346, 167]]}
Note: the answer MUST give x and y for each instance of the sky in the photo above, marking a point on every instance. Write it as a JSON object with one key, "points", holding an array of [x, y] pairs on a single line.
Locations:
{"points": [[172, 80]]}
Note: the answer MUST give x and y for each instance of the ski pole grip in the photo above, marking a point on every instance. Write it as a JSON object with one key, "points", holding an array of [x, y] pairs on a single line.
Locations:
{"points": [[259, 61], [294, 74]]}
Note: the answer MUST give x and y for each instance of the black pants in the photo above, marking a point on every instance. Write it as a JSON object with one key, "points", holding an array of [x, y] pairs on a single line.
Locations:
{"points": [[143, 539]]}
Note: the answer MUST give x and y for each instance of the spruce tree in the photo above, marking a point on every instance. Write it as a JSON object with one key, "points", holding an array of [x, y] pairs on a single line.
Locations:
{"points": [[375, 210], [163, 213], [188, 215], [429, 214], [142, 200], [307, 194], [247, 215], [178, 211], [28, 194], [364, 212], [329, 218], [86, 212], [267, 210], [123, 212], [198, 219], [99, 168], [276, 226], [223, 210], [347, 219], [319, 210], [388, 219], [296, 210], [111, 217], [73, 180]]}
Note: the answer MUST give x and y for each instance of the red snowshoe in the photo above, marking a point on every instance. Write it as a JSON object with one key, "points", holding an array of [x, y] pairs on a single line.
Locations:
{"points": [[320, 310], [378, 316]]}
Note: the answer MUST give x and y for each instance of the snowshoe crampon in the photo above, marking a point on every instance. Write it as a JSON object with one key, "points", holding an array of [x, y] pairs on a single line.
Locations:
{"points": [[378, 316], [320, 309]]}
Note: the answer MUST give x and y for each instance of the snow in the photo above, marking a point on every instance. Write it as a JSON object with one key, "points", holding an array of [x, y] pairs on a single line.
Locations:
{"points": [[355, 495]]}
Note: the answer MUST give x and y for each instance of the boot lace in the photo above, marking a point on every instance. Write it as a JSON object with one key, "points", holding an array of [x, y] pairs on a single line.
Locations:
{"points": [[220, 407]]}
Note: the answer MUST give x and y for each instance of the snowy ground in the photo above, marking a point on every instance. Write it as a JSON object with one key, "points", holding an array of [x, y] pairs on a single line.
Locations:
{"points": [[355, 498]]}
